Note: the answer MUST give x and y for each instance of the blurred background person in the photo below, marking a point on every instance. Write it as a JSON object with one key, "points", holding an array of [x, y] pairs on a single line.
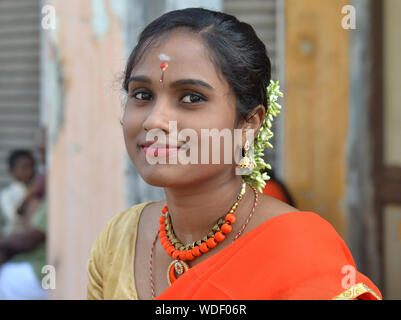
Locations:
{"points": [[15, 197], [23, 252]]}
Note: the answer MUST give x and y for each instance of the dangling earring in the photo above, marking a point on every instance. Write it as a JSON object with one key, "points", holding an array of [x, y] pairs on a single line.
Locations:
{"points": [[246, 162]]}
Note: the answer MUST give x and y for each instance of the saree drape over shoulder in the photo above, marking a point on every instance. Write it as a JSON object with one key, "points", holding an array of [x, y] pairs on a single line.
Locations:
{"points": [[296, 255]]}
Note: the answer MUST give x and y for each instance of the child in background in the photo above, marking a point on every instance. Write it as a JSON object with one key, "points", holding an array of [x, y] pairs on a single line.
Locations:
{"points": [[13, 199], [23, 253]]}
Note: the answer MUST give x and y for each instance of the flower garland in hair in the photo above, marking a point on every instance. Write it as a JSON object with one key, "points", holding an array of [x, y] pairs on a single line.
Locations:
{"points": [[256, 178]]}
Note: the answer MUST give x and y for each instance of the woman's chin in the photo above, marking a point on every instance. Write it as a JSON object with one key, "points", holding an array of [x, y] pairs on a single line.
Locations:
{"points": [[167, 176], [160, 175]]}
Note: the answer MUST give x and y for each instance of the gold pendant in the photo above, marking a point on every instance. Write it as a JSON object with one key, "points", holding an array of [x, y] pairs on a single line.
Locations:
{"points": [[176, 267]]}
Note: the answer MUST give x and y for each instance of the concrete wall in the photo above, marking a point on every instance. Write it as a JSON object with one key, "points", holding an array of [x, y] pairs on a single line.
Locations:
{"points": [[84, 57]]}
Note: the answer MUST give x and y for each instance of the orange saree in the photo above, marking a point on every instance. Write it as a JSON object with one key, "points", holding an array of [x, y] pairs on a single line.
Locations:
{"points": [[296, 255]]}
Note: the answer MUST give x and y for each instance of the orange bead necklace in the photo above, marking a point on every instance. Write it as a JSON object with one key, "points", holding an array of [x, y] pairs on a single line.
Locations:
{"points": [[181, 253]]}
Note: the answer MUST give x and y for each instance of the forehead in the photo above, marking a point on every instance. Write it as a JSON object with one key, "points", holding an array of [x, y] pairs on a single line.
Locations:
{"points": [[189, 58]]}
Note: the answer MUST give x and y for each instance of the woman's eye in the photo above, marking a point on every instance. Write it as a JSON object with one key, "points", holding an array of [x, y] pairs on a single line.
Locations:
{"points": [[192, 98], [142, 95]]}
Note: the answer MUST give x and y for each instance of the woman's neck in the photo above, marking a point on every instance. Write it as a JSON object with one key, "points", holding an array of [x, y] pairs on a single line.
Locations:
{"points": [[194, 211]]}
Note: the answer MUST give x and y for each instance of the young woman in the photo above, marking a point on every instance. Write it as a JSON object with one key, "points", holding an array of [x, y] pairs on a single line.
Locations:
{"points": [[214, 236]]}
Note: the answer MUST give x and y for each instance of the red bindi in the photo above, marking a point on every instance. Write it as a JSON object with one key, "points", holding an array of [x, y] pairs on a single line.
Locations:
{"points": [[163, 66]]}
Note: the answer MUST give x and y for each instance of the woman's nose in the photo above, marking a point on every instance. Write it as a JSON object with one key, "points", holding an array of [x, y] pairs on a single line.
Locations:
{"points": [[158, 117]]}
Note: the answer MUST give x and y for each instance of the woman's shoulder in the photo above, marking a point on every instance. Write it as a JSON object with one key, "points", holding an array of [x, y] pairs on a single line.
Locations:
{"points": [[121, 225], [294, 226], [128, 215], [272, 209], [126, 222]]}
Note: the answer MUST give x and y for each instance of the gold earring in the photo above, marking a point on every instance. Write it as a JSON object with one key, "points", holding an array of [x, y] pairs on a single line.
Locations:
{"points": [[246, 162]]}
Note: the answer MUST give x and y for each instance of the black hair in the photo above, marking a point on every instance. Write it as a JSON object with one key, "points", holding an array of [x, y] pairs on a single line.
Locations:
{"points": [[15, 155], [235, 50]]}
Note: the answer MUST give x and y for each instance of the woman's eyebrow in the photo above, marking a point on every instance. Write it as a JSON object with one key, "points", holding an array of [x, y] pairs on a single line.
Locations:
{"points": [[175, 84], [191, 81], [140, 79]]}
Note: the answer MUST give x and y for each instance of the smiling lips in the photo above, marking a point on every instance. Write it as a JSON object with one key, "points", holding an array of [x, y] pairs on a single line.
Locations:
{"points": [[156, 149]]}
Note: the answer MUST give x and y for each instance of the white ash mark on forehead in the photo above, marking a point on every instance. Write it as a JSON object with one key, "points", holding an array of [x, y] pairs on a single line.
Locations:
{"points": [[164, 57]]}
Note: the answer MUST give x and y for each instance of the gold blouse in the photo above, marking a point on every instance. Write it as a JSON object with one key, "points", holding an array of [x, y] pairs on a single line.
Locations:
{"points": [[110, 266]]}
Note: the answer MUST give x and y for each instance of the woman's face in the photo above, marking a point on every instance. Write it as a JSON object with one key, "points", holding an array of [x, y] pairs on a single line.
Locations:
{"points": [[152, 104]]}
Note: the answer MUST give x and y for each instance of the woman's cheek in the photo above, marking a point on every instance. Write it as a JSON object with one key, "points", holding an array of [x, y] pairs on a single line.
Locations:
{"points": [[132, 123]]}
